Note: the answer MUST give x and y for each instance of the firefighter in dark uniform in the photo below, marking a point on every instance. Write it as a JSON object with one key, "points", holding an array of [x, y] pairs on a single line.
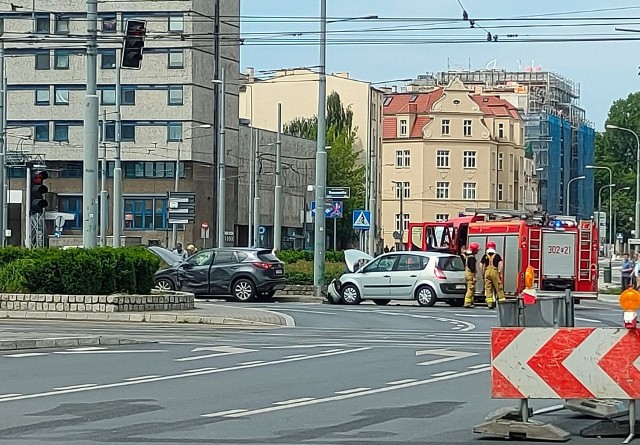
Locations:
{"points": [[492, 272], [470, 273]]}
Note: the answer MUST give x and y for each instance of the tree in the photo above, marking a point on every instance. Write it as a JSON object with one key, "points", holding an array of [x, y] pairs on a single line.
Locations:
{"points": [[616, 149], [344, 168]]}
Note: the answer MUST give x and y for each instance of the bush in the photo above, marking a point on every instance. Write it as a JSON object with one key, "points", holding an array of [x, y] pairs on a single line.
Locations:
{"points": [[100, 271], [293, 256], [301, 272]]}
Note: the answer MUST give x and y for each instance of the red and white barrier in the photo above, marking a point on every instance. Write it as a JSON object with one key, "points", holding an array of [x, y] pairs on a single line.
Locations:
{"points": [[565, 363]]}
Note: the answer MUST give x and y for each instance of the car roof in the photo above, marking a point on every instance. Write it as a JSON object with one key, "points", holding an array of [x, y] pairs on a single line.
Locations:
{"points": [[419, 253]]}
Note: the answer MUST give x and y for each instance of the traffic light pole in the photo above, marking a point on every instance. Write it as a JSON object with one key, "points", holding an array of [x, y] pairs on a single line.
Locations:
{"points": [[90, 153], [118, 217], [27, 209], [3, 149]]}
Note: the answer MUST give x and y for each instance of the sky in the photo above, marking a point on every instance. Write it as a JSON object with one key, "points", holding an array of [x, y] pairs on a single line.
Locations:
{"points": [[606, 71]]}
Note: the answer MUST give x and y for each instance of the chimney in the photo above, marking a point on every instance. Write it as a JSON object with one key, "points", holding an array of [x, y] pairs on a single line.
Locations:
{"points": [[342, 75], [478, 89], [394, 89], [250, 74]]}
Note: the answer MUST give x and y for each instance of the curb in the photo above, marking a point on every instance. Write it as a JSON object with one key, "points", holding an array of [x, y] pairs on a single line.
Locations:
{"points": [[136, 317], [40, 343], [298, 299]]}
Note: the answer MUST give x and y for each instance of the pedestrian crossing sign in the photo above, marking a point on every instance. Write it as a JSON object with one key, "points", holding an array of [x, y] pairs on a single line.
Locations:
{"points": [[362, 219]]}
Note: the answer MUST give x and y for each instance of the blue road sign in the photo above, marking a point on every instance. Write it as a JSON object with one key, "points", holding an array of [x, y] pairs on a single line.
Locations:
{"points": [[332, 210], [262, 230], [362, 219]]}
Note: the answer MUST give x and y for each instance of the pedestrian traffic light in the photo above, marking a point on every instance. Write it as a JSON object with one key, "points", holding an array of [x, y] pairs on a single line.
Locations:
{"points": [[38, 189], [133, 44]]}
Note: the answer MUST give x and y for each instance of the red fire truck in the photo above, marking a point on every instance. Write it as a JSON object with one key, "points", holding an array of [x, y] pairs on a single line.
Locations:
{"points": [[562, 251]]}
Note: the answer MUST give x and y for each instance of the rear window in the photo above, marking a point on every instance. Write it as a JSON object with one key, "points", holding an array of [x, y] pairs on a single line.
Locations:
{"points": [[451, 264], [267, 255]]}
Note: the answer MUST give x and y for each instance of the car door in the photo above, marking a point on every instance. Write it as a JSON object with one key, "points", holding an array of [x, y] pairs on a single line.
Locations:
{"points": [[224, 266], [193, 274], [404, 276], [376, 277]]}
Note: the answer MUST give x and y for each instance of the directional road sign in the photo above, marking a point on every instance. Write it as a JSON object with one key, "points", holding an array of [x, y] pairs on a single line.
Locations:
{"points": [[362, 219], [182, 207], [338, 193]]}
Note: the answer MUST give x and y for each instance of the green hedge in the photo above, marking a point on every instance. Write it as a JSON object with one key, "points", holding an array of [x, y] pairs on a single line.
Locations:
{"points": [[293, 256], [100, 271], [301, 272]]}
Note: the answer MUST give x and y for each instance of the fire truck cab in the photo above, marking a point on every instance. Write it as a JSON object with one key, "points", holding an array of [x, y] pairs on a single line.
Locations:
{"points": [[562, 251]]}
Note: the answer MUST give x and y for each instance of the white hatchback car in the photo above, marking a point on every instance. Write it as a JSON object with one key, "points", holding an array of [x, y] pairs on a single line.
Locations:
{"points": [[427, 277]]}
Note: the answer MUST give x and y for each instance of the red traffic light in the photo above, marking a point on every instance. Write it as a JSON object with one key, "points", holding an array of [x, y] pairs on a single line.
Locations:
{"points": [[39, 176]]}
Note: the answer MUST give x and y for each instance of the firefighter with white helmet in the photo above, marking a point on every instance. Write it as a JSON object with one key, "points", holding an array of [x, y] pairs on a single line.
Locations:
{"points": [[492, 266], [470, 273]]}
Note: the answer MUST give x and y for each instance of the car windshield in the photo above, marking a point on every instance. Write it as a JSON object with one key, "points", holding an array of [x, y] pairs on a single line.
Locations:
{"points": [[451, 263], [267, 255]]}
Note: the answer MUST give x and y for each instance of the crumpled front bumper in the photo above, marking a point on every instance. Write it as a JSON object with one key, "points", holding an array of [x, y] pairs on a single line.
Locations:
{"points": [[333, 295]]}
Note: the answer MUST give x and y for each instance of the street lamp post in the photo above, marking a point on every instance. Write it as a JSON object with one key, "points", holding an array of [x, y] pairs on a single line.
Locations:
{"points": [[221, 210], [566, 195], [596, 167], [400, 184], [637, 207]]}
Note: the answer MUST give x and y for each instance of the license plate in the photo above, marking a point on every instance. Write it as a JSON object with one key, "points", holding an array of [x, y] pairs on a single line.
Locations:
{"points": [[460, 286], [279, 271]]}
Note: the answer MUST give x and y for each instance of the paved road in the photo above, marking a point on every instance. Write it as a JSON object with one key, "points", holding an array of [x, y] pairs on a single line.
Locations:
{"points": [[356, 375]]}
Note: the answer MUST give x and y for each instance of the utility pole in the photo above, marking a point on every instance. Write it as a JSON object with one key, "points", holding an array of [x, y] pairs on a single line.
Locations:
{"points": [[221, 160], [321, 162], [5, 183], [176, 185], [373, 202], [277, 211], [90, 158], [104, 221], [3, 148], [27, 208], [256, 187], [400, 184], [118, 217], [251, 161], [217, 62]]}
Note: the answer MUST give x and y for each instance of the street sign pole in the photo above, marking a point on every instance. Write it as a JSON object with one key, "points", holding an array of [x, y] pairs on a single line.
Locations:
{"points": [[335, 235]]}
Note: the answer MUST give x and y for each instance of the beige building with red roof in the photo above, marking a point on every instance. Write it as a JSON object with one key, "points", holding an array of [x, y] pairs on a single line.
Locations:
{"points": [[448, 150]]}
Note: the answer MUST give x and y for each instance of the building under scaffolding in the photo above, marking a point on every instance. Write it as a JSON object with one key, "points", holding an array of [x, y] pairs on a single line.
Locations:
{"points": [[556, 129]]}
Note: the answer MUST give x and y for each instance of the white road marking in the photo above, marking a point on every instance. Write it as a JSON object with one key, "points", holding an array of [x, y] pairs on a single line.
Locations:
{"points": [[476, 315], [200, 369], [401, 382], [131, 379], [113, 351], [220, 351], [359, 394], [86, 385], [26, 354], [288, 402], [332, 350], [178, 376], [442, 374], [588, 320], [351, 391], [255, 362], [448, 356], [89, 348], [482, 365], [9, 395], [224, 413], [294, 356], [308, 312], [323, 345]]}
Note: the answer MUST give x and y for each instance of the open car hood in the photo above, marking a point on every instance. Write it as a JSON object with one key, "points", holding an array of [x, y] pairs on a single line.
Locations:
{"points": [[352, 256], [166, 255]]}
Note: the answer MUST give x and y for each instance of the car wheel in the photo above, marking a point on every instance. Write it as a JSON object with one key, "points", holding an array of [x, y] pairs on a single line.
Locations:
{"points": [[243, 290], [381, 302], [165, 284], [426, 296], [455, 303], [350, 294]]}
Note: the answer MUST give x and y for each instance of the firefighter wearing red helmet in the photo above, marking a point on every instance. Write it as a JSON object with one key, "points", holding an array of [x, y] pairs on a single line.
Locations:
{"points": [[470, 273], [492, 266]]}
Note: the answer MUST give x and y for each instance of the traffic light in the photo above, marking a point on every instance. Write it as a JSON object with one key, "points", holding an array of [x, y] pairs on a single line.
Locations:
{"points": [[133, 44], [38, 189]]}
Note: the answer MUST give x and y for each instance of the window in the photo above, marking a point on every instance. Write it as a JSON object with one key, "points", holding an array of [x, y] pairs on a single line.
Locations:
{"points": [[223, 257], [176, 58], [511, 162], [201, 258], [406, 154], [43, 24], [60, 60], [42, 132], [404, 127], [387, 101], [43, 60], [43, 96], [73, 205], [61, 96], [469, 190], [128, 132], [128, 95], [469, 159], [466, 127], [500, 192], [176, 23], [145, 213], [108, 96], [383, 264], [411, 262], [511, 133], [442, 158], [61, 132], [404, 187], [445, 127], [62, 24], [109, 23], [174, 131], [500, 161], [175, 95], [451, 264], [440, 217], [500, 131], [108, 59], [160, 169], [71, 170], [109, 131], [442, 190], [406, 222]]}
